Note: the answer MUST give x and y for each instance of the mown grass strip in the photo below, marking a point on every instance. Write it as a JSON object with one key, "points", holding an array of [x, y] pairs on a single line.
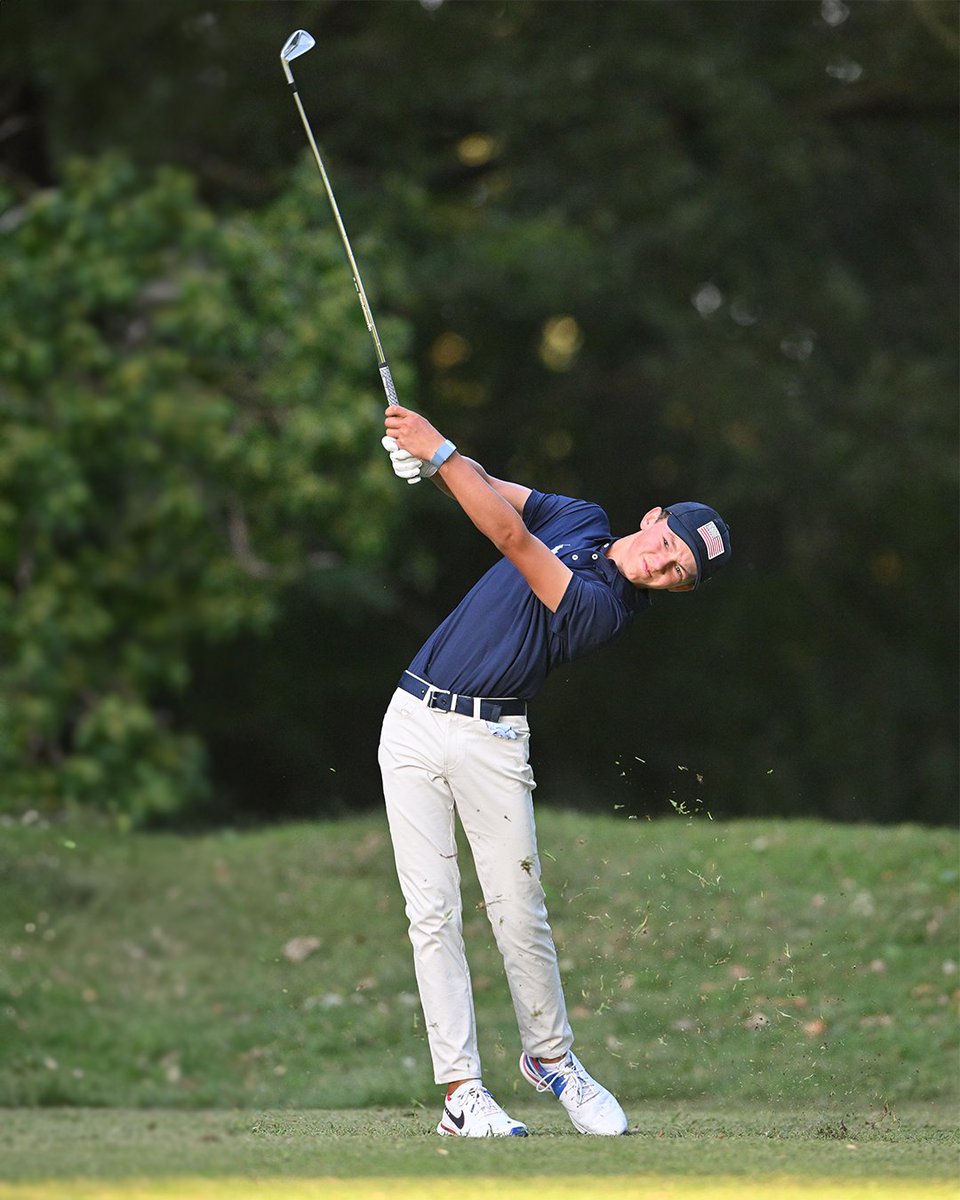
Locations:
{"points": [[101, 1146], [645, 1187]]}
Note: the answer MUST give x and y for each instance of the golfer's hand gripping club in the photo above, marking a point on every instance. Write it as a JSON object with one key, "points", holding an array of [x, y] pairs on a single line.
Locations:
{"points": [[405, 465], [296, 44], [413, 435]]}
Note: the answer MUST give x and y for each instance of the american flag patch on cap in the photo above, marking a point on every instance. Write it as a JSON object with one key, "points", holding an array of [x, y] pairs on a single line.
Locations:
{"points": [[711, 539]]}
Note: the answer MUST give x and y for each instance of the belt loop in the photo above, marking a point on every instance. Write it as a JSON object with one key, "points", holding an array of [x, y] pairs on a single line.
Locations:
{"points": [[453, 702], [476, 708]]}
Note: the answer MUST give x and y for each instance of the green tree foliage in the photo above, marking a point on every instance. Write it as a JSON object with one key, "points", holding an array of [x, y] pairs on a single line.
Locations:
{"points": [[186, 415], [647, 250]]}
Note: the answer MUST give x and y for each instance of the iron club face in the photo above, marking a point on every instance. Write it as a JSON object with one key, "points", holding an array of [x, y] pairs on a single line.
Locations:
{"points": [[296, 44]]}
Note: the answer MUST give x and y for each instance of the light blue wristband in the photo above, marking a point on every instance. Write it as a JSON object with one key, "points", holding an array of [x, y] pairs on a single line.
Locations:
{"points": [[443, 453]]}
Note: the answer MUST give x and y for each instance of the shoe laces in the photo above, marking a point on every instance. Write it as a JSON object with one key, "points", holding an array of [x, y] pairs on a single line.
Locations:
{"points": [[480, 1101], [574, 1076]]}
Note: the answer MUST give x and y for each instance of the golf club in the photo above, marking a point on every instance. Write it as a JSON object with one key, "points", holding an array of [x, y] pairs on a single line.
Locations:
{"points": [[296, 44]]}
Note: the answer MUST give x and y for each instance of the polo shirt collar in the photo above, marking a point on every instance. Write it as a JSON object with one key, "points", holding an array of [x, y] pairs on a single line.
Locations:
{"points": [[632, 598]]}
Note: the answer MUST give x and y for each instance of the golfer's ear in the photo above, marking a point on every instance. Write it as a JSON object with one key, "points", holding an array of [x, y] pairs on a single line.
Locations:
{"points": [[649, 518]]}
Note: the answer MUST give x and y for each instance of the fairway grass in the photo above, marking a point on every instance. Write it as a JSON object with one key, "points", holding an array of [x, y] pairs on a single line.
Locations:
{"points": [[681, 1151], [234, 1015]]}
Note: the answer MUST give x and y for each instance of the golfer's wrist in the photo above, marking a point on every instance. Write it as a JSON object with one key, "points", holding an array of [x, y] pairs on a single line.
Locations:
{"points": [[442, 453]]}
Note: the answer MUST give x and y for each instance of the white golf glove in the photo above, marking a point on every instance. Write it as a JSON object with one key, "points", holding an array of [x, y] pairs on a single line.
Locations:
{"points": [[405, 466]]}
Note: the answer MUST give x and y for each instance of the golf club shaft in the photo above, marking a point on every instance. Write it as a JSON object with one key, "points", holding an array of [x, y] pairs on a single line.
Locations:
{"points": [[385, 376]]}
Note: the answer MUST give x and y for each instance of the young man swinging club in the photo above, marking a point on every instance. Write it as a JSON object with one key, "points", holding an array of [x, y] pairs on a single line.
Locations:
{"points": [[455, 739]]}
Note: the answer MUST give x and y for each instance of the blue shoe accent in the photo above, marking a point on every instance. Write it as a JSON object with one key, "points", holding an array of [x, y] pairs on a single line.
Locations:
{"points": [[538, 1074]]}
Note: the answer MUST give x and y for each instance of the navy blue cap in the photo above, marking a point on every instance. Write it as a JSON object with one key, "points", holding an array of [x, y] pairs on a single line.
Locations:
{"points": [[705, 532]]}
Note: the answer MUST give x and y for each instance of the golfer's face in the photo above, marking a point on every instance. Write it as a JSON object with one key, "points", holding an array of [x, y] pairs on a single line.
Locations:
{"points": [[659, 560]]}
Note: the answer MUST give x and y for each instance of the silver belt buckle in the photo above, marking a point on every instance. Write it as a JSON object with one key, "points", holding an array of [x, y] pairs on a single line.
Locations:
{"points": [[431, 697]]}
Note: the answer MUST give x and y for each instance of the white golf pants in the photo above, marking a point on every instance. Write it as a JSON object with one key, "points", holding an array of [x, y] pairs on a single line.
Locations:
{"points": [[435, 764]]}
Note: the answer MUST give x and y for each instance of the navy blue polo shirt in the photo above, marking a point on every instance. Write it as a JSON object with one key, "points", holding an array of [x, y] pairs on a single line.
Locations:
{"points": [[501, 640]]}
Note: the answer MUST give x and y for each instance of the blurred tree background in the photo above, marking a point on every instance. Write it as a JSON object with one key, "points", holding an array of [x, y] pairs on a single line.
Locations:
{"points": [[638, 252]]}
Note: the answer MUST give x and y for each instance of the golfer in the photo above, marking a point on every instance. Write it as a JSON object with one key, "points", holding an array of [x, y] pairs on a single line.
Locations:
{"points": [[455, 739]]}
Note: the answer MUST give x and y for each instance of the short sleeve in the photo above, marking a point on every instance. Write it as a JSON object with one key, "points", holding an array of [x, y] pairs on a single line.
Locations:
{"points": [[588, 617], [545, 514]]}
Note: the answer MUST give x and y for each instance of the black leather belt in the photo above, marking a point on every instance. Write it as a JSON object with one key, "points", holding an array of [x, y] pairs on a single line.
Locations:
{"points": [[466, 706]]}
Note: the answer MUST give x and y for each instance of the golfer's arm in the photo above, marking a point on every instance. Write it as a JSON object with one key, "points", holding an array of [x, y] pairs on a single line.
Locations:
{"points": [[497, 517], [515, 494]]}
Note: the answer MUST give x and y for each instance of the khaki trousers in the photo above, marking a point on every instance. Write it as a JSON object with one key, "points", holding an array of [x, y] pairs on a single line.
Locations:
{"points": [[435, 764]]}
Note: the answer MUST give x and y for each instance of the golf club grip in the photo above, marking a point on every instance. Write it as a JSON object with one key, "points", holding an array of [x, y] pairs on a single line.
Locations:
{"points": [[387, 380]]}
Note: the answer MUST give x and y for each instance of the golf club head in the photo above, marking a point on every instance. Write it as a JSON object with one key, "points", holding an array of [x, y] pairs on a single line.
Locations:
{"points": [[296, 44]]}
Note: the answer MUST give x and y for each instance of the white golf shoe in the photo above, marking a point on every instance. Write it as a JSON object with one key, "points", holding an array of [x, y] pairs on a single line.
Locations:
{"points": [[472, 1112], [591, 1108]]}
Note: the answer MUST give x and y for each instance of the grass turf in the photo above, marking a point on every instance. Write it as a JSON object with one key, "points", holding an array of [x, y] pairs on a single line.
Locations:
{"points": [[771, 963], [775, 1002], [678, 1150]]}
